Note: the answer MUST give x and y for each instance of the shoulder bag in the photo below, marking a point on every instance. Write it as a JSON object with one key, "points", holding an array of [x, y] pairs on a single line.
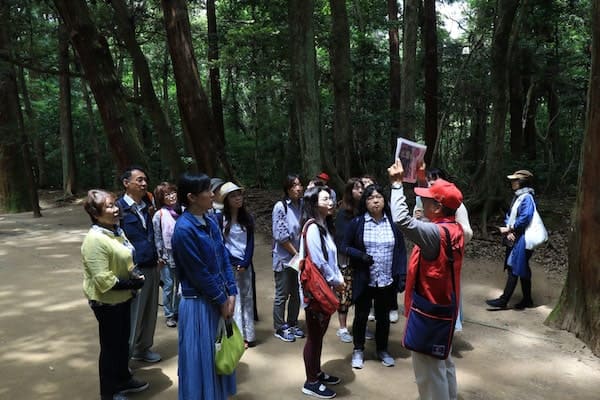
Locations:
{"points": [[317, 293]]}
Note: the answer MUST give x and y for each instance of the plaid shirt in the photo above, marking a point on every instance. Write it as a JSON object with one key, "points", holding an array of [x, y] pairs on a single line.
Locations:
{"points": [[379, 244]]}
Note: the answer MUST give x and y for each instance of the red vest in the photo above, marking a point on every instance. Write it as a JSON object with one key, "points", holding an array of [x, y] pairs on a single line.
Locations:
{"points": [[435, 279]]}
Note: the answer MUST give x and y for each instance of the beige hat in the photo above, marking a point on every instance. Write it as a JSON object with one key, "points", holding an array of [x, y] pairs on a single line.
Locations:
{"points": [[520, 174], [227, 188]]}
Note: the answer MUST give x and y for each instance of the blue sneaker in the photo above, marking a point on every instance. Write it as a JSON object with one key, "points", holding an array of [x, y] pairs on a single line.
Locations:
{"points": [[319, 390], [299, 333], [285, 333]]}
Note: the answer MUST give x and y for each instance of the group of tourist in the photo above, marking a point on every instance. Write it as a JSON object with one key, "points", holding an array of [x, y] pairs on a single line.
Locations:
{"points": [[196, 240]]}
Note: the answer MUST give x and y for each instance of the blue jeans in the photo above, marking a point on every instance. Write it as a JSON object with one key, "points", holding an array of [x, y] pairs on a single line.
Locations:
{"points": [[170, 296]]}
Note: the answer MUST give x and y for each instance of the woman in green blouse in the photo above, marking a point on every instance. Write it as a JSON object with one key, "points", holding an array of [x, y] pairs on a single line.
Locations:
{"points": [[109, 283]]}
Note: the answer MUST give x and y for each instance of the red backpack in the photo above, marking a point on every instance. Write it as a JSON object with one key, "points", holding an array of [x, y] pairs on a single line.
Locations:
{"points": [[317, 293]]}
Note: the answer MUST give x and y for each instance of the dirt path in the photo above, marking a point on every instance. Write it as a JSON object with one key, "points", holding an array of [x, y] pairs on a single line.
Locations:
{"points": [[49, 346]]}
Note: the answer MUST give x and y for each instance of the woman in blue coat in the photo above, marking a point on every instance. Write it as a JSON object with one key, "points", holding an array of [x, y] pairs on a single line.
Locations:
{"points": [[208, 292], [516, 261]]}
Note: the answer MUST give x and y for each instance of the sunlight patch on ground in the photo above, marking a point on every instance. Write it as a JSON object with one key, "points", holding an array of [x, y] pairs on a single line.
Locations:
{"points": [[64, 306]]}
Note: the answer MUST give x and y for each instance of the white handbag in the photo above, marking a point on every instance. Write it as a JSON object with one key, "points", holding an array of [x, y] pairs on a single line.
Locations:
{"points": [[535, 233]]}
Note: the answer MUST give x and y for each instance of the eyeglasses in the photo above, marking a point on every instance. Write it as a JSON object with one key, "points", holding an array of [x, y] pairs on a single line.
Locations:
{"points": [[172, 194]]}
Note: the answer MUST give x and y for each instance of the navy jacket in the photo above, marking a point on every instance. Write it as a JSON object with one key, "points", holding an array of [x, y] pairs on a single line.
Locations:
{"points": [[354, 247], [142, 238]]}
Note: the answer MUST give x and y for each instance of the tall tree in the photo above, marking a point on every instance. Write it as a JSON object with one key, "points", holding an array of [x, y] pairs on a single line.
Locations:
{"points": [[499, 79], [215, 87], [395, 82], [303, 70], [67, 148], [409, 69], [97, 63], [18, 189], [577, 308], [196, 116], [431, 77], [341, 70], [164, 132]]}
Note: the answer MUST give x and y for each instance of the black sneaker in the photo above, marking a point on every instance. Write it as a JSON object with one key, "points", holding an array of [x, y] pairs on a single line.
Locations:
{"points": [[523, 304], [497, 303], [328, 379], [134, 386], [319, 390]]}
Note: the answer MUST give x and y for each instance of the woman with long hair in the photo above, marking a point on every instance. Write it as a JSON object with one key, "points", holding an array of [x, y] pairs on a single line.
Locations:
{"points": [[377, 253], [237, 225], [348, 210], [320, 246], [208, 292]]}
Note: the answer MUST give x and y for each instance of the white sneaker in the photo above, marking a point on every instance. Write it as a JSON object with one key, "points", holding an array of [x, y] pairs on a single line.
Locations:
{"points": [[372, 315], [394, 316], [344, 335], [357, 359]]}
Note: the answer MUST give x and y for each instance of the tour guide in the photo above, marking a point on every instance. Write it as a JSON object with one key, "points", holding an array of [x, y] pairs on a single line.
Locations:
{"points": [[436, 379]]}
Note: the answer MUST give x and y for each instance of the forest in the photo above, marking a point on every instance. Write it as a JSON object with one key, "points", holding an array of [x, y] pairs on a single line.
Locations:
{"points": [[250, 89]]}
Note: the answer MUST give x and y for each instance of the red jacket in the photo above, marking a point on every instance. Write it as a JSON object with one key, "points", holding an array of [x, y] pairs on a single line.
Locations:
{"points": [[435, 282]]}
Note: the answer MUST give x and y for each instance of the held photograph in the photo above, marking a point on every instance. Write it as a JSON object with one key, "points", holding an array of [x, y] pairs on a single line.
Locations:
{"points": [[410, 154]]}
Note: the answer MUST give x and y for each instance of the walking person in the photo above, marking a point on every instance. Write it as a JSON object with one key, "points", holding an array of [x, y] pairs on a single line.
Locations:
{"points": [[516, 260], [108, 284], [237, 226], [208, 292], [377, 254], [165, 195], [348, 210], [320, 246], [436, 379], [286, 243], [136, 221]]}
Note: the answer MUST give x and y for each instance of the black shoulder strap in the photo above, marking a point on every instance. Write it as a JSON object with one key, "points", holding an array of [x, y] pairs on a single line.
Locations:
{"points": [[450, 256], [323, 245]]}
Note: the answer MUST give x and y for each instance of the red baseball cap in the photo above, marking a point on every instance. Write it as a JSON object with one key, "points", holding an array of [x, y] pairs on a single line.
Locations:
{"points": [[444, 192], [323, 176]]}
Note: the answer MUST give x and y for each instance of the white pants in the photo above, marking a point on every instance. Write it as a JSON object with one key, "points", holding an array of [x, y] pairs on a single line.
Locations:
{"points": [[436, 379], [243, 313]]}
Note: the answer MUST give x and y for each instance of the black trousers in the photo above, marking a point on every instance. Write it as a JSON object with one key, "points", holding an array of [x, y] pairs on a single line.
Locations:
{"points": [[383, 298], [113, 328]]}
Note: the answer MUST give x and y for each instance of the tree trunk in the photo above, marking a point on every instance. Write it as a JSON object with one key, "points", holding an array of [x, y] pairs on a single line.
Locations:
{"points": [[196, 115], [215, 88], [516, 105], [394, 46], [499, 82], [304, 84], [18, 190], [164, 131], [341, 69], [100, 72], [530, 128], [431, 77], [93, 138], [67, 149], [409, 69], [33, 132], [578, 307]]}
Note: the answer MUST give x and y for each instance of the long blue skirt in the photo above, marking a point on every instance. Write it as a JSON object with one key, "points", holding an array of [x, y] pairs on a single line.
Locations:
{"points": [[198, 321]]}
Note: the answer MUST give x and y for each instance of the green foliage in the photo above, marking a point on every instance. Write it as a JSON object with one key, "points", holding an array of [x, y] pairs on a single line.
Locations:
{"points": [[253, 60]]}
